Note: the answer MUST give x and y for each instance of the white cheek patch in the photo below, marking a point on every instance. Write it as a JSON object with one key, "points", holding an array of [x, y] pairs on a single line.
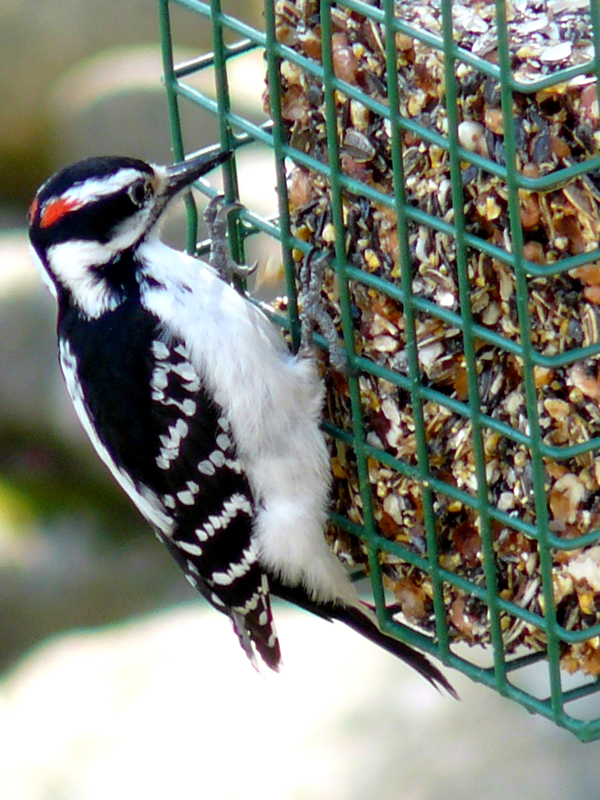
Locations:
{"points": [[75, 265], [130, 230], [72, 264]]}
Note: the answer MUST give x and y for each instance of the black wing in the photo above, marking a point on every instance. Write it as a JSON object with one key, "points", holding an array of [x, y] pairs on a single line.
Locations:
{"points": [[210, 500], [160, 426]]}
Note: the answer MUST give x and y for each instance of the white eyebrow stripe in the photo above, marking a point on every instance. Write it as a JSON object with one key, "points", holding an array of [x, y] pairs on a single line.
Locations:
{"points": [[95, 188]]}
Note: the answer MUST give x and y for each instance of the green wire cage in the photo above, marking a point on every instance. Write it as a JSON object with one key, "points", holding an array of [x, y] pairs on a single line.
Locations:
{"points": [[458, 206]]}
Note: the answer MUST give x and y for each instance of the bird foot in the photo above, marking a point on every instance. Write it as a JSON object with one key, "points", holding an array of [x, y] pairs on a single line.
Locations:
{"points": [[314, 315], [215, 216]]}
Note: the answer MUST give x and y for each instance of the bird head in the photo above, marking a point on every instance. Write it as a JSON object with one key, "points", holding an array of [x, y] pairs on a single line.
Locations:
{"points": [[88, 215]]}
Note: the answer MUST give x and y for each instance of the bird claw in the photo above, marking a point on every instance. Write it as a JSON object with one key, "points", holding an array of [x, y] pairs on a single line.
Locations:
{"points": [[244, 270], [314, 315], [215, 216]]}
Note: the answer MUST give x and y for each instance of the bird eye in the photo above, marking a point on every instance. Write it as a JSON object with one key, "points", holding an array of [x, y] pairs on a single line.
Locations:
{"points": [[139, 191]]}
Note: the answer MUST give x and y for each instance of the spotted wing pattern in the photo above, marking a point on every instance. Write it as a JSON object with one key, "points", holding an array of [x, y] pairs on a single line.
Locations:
{"points": [[210, 501], [174, 454]]}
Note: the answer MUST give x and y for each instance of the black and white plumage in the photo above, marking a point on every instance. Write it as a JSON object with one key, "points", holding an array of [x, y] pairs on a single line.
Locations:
{"points": [[191, 398]]}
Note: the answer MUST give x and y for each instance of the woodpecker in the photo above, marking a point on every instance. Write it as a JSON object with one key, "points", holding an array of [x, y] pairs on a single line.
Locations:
{"points": [[193, 401]]}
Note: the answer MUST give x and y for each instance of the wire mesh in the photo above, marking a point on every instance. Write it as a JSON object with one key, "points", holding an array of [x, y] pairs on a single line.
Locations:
{"points": [[563, 698]]}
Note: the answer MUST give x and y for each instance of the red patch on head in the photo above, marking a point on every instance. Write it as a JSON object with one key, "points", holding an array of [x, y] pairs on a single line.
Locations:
{"points": [[55, 210]]}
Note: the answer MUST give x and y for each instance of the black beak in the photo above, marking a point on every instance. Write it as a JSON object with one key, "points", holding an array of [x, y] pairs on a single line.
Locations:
{"points": [[181, 175]]}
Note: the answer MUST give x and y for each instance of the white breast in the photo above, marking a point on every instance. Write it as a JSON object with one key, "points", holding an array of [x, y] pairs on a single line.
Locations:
{"points": [[273, 401]]}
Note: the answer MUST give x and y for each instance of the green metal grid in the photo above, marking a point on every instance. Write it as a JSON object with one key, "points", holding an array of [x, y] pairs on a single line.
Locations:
{"points": [[232, 38]]}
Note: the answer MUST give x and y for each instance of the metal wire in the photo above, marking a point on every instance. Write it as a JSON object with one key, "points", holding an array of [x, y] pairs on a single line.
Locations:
{"points": [[235, 131]]}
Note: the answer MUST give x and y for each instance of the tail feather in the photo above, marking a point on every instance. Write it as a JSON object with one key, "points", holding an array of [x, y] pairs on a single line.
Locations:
{"points": [[361, 623]]}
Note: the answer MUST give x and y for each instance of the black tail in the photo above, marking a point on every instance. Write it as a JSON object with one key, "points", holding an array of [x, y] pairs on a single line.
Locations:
{"points": [[361, 623]]}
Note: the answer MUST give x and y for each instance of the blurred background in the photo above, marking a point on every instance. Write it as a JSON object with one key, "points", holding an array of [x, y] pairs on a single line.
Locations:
{"points": [[115, 679]]}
